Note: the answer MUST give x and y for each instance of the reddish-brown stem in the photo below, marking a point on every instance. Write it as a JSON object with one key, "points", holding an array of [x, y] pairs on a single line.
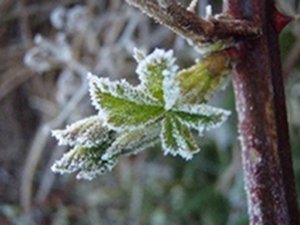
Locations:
{"points": [[260, 102], [192, 27]]}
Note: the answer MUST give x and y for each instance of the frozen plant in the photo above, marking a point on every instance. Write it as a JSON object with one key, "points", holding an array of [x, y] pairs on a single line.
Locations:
{"points": [[165, 108]]}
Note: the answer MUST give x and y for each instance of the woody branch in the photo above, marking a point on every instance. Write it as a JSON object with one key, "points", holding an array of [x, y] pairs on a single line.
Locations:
{"points": [[186, 23]]}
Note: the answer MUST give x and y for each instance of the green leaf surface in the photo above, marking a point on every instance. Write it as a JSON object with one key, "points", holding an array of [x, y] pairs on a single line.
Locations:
{"points": [[88, 132], [86, 162], [134, 141], [123, 106], [176, 138], [153, 70], [163, 107], [200, 81], [201, 117]]}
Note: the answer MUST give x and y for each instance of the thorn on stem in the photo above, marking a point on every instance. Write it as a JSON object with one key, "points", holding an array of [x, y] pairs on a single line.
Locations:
{"points": [[233, 53], [208, 11], [281, 20], [192, 6]]}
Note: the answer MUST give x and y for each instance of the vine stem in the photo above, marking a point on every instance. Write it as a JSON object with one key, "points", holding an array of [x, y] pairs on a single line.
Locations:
{"points": [[260, 102]]}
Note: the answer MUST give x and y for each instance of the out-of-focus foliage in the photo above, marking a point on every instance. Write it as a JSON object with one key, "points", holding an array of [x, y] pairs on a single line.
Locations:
{"points": [[71, 38]]}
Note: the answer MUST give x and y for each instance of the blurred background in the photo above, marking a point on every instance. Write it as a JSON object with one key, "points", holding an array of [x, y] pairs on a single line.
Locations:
{"points": [[46, 49]]}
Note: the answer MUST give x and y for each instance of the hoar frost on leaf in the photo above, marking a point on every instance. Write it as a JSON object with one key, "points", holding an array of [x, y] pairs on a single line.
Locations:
{"points": [[96, 148], [201, 117], [122, 106], [133, 118], [177, 139], [86, 161], [88, 132], [157, 74], [154, 101], [134, 141]]}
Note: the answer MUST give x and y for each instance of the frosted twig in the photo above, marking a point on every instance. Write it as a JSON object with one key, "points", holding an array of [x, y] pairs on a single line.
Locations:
{"points": [[129, 30], [48, 177], [194, 28]]}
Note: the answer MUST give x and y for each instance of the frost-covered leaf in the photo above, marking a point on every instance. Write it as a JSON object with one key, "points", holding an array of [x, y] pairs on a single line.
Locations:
{"points": [[164, 107], [122, 106], [134, 141], [176, 138], [156, 71], [201, 117], [200, 81], [86, 162], [88, 132]]}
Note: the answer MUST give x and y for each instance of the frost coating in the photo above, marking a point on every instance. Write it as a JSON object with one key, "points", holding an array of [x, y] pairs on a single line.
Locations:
{"points": [[85, 161], [133, 118], [88, 132], [157, 74], [122, 106], [171, 89], [138, 55], [119, 89], [201, 117], [134, 141], [57, 17], [47, 53], [177, 139]]}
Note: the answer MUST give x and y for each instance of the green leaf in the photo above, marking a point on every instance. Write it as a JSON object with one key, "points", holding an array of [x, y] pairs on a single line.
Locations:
{"points": [[122, 106], [134, 141], [200, 81], [86, 162], [88, 132], [154, 69], [176, 138], [201, 117]]}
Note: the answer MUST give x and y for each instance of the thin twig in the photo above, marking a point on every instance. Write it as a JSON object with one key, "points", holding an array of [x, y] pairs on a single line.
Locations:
{"points": [[48, 177], [25, 24]]}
